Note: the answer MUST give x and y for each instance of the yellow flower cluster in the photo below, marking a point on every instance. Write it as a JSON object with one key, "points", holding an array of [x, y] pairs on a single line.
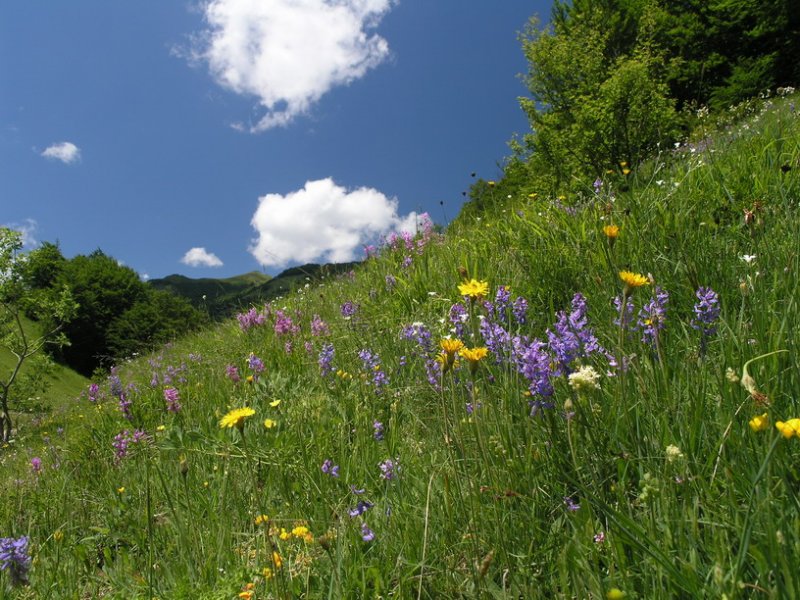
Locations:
{"points": [[759, 423], [789, 428]]}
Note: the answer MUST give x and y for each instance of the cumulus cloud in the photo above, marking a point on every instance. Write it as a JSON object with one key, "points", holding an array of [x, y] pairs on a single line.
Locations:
{"points": [[28, 231], [200, 257], [289, 53], [323, 222], [66, 152]]}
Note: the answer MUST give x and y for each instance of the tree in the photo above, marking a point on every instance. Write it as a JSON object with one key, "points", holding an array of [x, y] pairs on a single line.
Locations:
{"points": [[16, 298]]}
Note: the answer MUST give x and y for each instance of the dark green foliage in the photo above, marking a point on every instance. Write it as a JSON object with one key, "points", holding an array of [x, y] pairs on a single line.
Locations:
{"points": [[156, 318], [117, 313]]}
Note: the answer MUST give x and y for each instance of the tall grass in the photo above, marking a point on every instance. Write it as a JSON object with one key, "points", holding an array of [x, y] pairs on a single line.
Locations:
{"points": [[652, 484]]}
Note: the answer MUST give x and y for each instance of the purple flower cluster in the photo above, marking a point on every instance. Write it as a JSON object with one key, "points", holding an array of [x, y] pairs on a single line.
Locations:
{"points": [[426, 350], [255, 364], [94, 391], [319, 327], [124, 439], [232, 373], [14, 559], [349, 309], [706, 314], [389, 469], [458, 317], [329, 468], [377, 430], [653, 316], [372, 363], [36, 465], [572, 337], [325, 360], [251, 318], [284, 324], [172, 398]]}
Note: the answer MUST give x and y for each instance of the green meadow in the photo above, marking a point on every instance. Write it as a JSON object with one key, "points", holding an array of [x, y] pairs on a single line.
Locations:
{"points": [[353, 439]]}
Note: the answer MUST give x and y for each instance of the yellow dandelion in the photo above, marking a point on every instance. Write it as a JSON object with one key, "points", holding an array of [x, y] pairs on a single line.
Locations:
{"points": [[759, 423], [473, 356], [236, 417], [626, 171], [633, 280], [474, 289], [269, 423], [274, 403], [611, 231], [451, 346]]}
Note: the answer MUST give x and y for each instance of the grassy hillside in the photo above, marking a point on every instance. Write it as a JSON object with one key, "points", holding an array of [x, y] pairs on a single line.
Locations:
{"points": [[620, 436]]}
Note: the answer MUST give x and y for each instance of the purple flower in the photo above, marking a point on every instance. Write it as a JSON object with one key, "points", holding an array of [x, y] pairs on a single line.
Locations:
{"points": [[349, 309], [325, 360], [94, 389], [389, 469], [534, 363], [124, 439], [114, 383], [256, 364], [377, 427], [390, 282], [125, 406], [232, 373], [329, 468], [361, 507], [250, 319], [36, 465], [319, 327], [599, 538], [652, 317], [458, 317], [520, 310], [284, 324], [366, 533], [14, 559], [372, 363], [571, 505], [597, 185], [172, 397], [706, 313], [572, 338]]}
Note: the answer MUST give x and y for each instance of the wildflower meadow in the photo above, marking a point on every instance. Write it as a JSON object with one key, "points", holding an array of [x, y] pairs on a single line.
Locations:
{"points": [[588, 396]]}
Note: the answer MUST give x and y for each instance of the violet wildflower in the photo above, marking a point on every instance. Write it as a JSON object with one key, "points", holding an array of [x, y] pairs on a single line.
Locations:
{"points": [[627, 315], [459, 315], [706, 313], [319, 327], [377, 432], [250, 319], [391, 282], [652, 317], [125, 406], [534, 363], [519, 310], [360, 508], [366, 533], [124, 439], [572, 338], [571, 505], [36, 465], [14, 559], [172, 398], [389, 469], [154, 380], [597, 185], [256, 364], [94, 390], [325, 360], [599, 538], [372, 363], [232, 373], [407, 262], [114, 383], [348, 309], [284, 324], [329, 468]]}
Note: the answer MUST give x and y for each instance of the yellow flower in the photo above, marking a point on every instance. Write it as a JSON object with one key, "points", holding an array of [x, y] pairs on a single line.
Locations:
{"points": [[285, 535], [759, 423], [267, 573], [474, 289], [490, 183], [615, 594], [262, 520], [474, 356], [120, 490], [611, 231], [789, 428], [269, 423], [633, 280], [58, 535], [236, 417], [277, 560], [450, 346], [247, 594], [626, 171], [274, 403]]}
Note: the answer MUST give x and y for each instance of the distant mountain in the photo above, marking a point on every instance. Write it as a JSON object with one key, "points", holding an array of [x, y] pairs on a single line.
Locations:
{"points": [[224, 297]]}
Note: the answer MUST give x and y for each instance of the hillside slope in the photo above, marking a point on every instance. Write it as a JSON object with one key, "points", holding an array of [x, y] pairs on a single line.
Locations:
{"points": [[593, 396]]}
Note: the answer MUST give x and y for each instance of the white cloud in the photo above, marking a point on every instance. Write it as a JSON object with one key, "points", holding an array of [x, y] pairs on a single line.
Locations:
{"points": [[66, 152], [28, 231], [323, 222], [289, 53], [200, 257]]}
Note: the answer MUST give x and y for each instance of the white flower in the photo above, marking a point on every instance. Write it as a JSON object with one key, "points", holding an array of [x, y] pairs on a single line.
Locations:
{"points": [[584, 379], [673, 454], [748, 258]]}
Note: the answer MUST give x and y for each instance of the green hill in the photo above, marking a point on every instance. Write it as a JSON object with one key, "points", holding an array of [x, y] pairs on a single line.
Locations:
{"points": [[610, 409], [224, 297]]}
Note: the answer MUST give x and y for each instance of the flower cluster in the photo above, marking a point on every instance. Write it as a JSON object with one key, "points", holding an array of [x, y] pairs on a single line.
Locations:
{"points": [[14, 559]]}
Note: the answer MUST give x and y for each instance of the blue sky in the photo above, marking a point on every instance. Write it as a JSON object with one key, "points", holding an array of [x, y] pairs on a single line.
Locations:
{"points": [[215, 138]]}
